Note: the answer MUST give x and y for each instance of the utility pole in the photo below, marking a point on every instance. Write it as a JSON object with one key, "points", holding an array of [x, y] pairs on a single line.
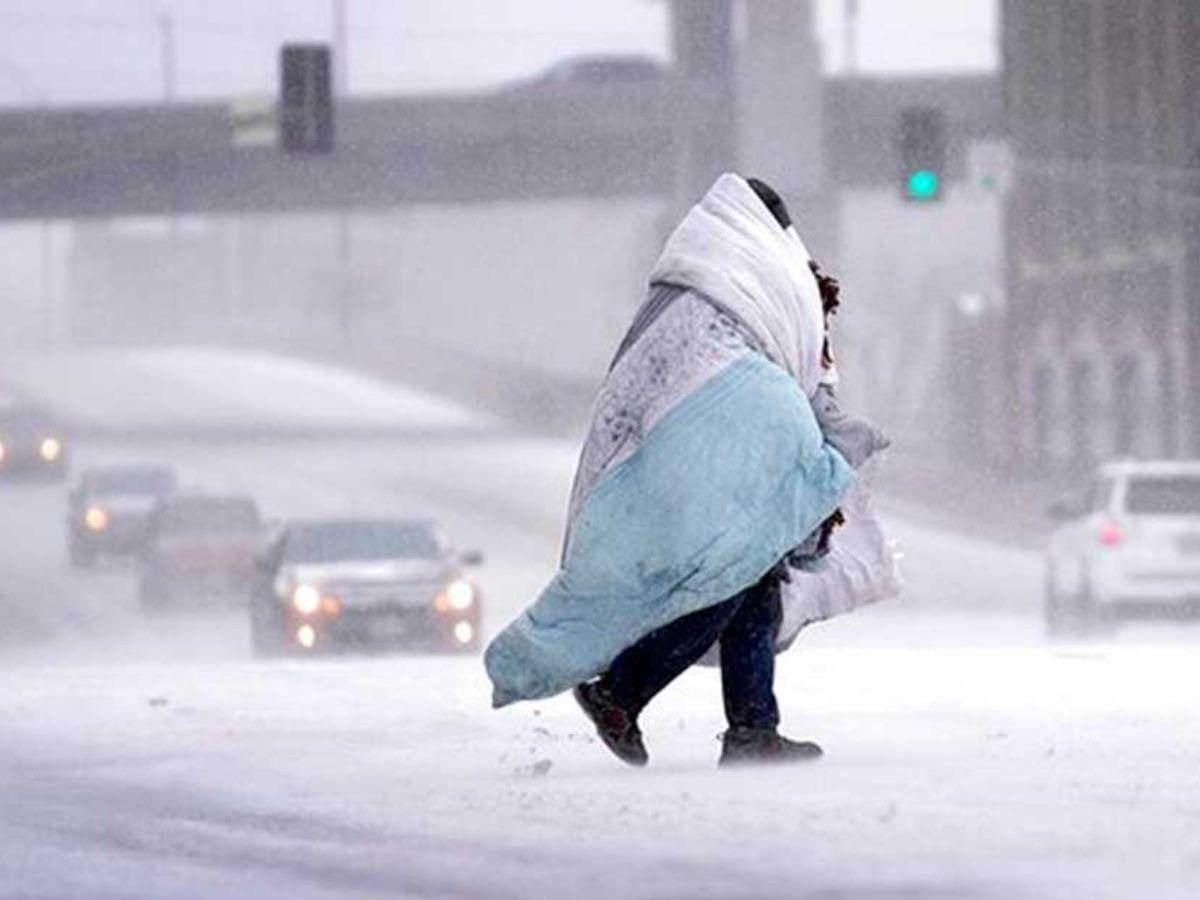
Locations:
{"points": [[850, 37], [166, 41], [166, 47], [47, 277], [341, 85], [345, 234]]}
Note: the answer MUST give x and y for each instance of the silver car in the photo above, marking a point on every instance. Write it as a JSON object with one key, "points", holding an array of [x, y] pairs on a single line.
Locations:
{"points": [[1127, 547]]}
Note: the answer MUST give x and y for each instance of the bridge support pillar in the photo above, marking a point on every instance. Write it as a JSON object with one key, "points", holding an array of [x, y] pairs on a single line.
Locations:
{"points": [[753, 103], [705, 130], [780, 114]]}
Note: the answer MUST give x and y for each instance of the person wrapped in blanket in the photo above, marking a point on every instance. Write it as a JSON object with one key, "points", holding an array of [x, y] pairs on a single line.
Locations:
{"points": [[713, 476]]}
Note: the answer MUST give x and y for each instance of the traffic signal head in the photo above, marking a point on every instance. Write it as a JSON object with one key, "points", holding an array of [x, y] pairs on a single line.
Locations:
{"points": [[921, 148], [923, 184], [306, 98]]}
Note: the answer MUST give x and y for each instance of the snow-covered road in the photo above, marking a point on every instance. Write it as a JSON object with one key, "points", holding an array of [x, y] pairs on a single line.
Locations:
{"points": [[1036, 775], [966, 757]]}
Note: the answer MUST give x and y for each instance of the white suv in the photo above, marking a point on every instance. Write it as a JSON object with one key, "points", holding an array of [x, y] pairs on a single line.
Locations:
{"points": [[1128, 547]]}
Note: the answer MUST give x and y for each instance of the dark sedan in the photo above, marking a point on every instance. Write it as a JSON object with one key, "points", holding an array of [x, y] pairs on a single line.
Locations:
{"points": [[31, 442], [108, 512]]}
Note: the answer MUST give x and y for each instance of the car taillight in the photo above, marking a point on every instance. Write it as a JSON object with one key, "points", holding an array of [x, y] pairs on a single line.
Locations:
{"points": [[1110, 534]]}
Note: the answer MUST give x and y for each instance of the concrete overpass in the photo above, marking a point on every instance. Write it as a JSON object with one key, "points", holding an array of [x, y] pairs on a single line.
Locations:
{"points": [[390, 152], [578, 141]]}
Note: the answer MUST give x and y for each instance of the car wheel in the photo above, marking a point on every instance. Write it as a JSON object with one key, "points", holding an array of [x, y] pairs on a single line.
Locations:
{"points": [[266, 634], [1068, 615], [471, 648], [152, 594], [82, 556]]}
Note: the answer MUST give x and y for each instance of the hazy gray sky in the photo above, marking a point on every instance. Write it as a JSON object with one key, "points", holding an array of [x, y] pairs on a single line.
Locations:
{"points": [[70, 51]]}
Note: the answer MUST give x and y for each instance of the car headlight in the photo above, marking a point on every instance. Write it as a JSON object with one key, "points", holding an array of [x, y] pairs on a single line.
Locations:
{"points": [[306, 636], [50, 449], [306, 598], [460, 595], [3, 451], [96, 518]]}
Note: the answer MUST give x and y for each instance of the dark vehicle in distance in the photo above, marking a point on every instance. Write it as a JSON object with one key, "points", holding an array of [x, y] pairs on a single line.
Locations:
{"points": [[109, 510], [31, 442], [199, 548], [364, 582], [601, 70]]}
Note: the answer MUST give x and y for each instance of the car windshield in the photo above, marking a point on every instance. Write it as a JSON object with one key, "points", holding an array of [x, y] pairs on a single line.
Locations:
{"points": [[131, 481], [24, 419], [336, 541], [1177, 495], [209, 517]]}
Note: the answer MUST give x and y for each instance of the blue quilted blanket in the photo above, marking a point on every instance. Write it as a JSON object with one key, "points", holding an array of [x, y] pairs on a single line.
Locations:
{"points": [[730, 479]]}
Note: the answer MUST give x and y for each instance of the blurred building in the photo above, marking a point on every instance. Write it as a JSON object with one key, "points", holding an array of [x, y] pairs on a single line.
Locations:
{"points": [[921, 280], [1102, 344]]}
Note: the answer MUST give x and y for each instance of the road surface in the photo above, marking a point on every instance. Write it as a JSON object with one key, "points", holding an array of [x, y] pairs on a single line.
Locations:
{"points": [[965, 756]]}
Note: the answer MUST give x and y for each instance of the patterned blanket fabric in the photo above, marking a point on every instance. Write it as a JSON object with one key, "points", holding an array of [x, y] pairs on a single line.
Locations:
{"points": [[688, 342]]}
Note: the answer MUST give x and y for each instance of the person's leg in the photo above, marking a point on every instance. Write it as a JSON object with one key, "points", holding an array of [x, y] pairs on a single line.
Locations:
{"points": [[748, 658], [644, 669], [748, 677], [615, 700]]}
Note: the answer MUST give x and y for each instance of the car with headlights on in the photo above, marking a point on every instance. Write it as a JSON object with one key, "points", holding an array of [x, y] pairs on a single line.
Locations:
{"points": [[109, 510], [1126, 547], [31, 442], [367, 583], [200, 548]]}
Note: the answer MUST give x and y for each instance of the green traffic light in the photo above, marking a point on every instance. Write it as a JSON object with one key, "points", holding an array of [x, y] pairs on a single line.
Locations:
{"points": [[923, 185]]}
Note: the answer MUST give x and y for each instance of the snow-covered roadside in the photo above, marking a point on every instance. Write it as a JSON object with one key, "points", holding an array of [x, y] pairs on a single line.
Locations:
{"points": [[1006, 772], [206, 390], [953, 570]]}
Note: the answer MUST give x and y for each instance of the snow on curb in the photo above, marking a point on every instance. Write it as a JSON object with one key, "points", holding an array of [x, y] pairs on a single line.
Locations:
{"points": [[213, 390]]}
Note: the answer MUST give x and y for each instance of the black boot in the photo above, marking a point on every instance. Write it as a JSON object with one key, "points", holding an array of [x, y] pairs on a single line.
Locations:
{"points": [[616, 726], [752, 746]]}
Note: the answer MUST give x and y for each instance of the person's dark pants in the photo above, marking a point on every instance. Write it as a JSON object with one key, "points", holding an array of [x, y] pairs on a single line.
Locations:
{"points": [[746, 626]]}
